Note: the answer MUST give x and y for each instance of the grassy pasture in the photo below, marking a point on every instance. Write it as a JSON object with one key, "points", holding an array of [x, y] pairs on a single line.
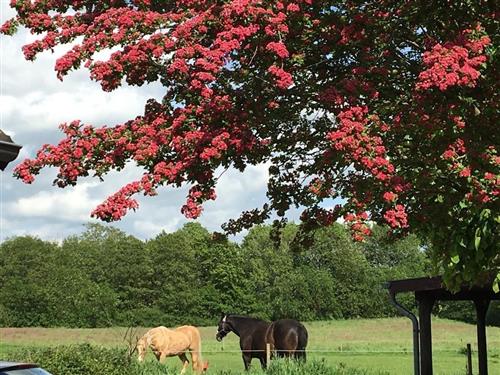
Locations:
{"points": [[377, 344]]}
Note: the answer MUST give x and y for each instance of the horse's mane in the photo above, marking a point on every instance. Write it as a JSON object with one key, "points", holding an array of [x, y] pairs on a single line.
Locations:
{"points": [[246, 317]]}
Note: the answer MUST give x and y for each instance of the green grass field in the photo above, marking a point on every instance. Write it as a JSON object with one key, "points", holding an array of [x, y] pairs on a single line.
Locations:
{"points": [[376, 344]]}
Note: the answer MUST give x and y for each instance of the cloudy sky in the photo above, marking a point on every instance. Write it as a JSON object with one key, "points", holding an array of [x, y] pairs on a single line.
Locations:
{"points": [[33, 102]]}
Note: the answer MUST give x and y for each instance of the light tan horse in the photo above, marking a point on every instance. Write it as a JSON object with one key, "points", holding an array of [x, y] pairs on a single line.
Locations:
{"points": [[166, 342]]}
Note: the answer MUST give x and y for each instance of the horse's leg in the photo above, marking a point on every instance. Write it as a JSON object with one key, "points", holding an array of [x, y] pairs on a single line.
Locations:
{"points": [[196, 358], [247, 358], [142, 354], [185, 362], [162, 357], [300, 354], [263, 362]]}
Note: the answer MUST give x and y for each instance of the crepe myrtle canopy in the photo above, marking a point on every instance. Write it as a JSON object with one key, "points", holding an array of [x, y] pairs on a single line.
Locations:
{"points": [[390, 105]]}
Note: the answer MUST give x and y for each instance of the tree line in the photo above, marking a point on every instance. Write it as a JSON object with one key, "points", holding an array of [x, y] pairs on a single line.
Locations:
{"points": [[104, 277]]}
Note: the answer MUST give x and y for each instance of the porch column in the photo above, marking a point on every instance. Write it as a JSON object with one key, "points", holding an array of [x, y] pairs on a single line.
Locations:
{"points": [[425, 304], [482, 351]]}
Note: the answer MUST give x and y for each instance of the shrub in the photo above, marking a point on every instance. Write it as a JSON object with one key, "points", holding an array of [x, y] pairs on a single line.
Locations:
{"points": [[287, 367], [87, 359]]}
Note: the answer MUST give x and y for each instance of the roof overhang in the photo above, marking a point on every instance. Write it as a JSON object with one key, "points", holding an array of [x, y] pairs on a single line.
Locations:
{"points": [[8, 150], [433, 286]]}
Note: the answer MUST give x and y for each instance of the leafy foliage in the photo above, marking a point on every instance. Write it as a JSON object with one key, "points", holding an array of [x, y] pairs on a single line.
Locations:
{"points": [[104, 277], [390, 105], [85, 359]]}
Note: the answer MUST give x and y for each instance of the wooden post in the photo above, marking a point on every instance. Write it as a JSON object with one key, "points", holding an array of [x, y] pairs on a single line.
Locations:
{"points": [[268, 354], [482, 354], [425, 304], [469, 360]]}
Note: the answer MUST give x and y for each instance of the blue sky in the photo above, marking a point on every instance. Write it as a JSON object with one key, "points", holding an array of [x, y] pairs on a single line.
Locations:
{"points": [[33, 102]]}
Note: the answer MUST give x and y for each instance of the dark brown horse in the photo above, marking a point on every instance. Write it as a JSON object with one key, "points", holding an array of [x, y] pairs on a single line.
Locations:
{"points": [[287, 337]]}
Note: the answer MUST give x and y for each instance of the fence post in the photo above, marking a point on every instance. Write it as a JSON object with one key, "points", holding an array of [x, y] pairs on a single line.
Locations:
{"points": [[469, 360], [268, 354]]}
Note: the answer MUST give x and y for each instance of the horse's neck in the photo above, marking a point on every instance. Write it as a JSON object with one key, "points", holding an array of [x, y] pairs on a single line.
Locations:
{"points": [[241, 325]]}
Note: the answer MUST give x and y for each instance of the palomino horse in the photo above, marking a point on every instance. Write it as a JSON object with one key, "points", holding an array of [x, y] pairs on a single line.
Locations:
{"points": [[287, 337], [166, 342]]}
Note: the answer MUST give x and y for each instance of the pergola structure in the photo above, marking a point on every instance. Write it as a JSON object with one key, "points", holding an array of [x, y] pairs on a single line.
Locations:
{"points": [[427, 291], [8, 150]]}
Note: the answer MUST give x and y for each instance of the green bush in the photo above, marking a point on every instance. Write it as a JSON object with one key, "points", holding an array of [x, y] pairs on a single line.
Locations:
{"points": [[493, 316], [87, 359], [287, 367]]}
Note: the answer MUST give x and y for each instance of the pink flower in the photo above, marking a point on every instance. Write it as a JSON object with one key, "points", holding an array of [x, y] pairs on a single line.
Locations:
{"points": [[454, 63], [278, 48], [396, 218], [465, 172], [489, 176], [283, 79], [389, 196]]}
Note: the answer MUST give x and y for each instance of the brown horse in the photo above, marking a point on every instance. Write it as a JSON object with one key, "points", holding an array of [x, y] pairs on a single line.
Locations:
{"points": [[166, 342], [287, 337]]}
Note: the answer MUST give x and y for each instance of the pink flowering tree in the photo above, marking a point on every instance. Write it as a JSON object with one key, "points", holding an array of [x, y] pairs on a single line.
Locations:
{"points": [[390, 105]]}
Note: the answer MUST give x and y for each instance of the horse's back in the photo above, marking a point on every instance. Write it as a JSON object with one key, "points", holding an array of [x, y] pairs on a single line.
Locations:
{"points": [[192, 333], [254, 339], [159, 337]]}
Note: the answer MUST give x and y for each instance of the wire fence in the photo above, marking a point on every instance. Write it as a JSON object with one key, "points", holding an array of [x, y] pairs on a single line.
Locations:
{"points": [[337, 351]]}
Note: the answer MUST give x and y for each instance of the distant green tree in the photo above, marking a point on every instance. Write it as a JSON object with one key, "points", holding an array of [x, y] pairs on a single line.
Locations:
{"points": [[23, 276], [406, 254], [334, 251], [264, 265], [176, 283], [117, 261], [40, 287], [305, 294]]}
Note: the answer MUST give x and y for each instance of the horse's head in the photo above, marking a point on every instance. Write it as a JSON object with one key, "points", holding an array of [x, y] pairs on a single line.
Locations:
{"points": [[142, 346], [223, 328]]}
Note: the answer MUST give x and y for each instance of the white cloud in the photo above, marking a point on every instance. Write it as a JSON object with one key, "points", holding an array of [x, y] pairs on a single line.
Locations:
{"points": [[38, 111], [234, 185], [151, 228], [72, 203]]}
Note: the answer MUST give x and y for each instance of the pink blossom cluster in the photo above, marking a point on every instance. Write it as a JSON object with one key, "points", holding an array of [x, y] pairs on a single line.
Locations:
{"points": [[192, 209], [282, 78], [117, 205], [353, 139], [397, 217], [357, 223], [454, 63], [279, 49], [367, 151]]}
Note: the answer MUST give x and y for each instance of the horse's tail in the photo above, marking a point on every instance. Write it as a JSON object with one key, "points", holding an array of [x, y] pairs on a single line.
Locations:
{"points": [[198, 364], [303, 337]]}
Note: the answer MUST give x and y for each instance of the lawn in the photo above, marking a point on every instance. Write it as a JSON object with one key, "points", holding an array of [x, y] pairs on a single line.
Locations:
{"points": [[378, 344]]}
